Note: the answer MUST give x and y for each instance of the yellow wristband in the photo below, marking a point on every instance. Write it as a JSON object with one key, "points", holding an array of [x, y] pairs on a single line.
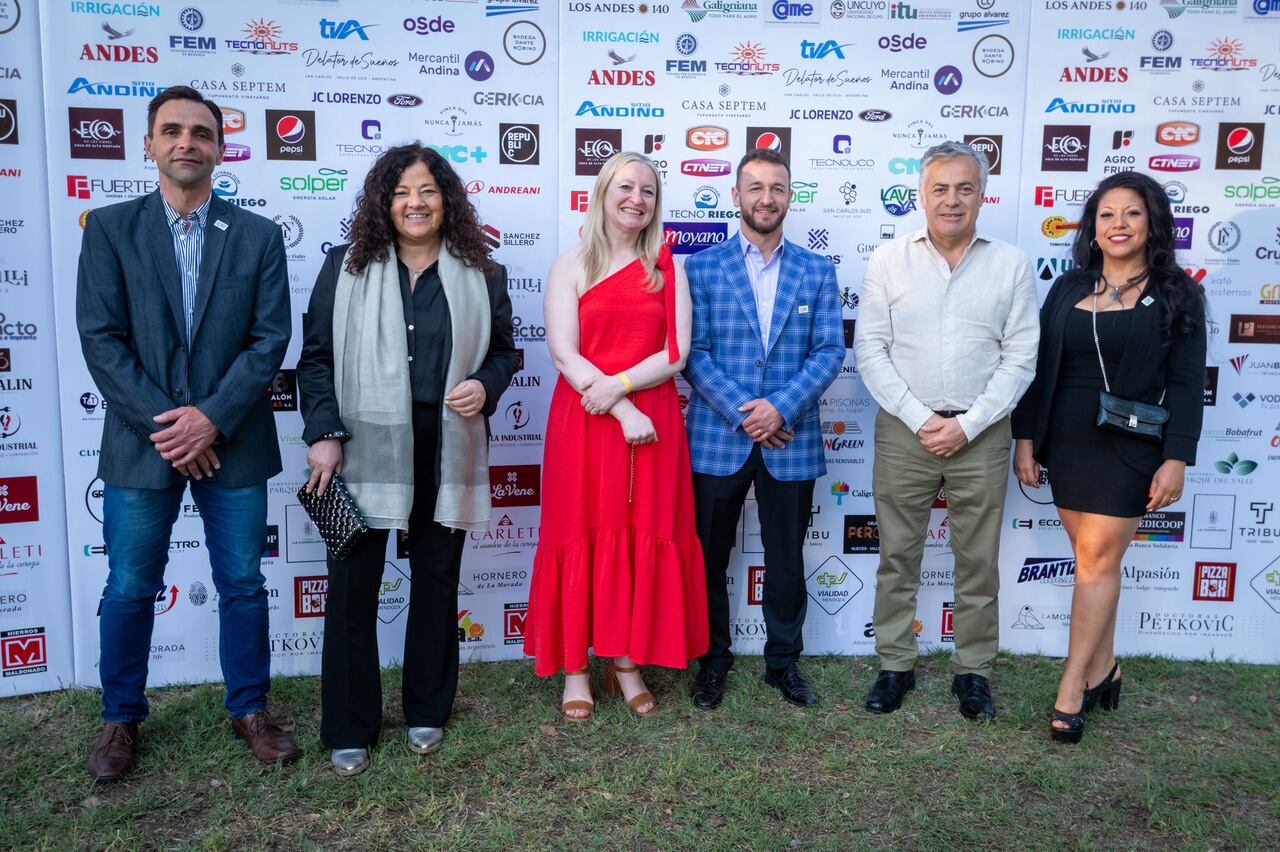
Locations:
{"points": [[626, 382]]}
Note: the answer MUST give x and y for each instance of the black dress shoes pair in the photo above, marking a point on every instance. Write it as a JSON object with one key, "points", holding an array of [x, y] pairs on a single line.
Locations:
{"points": [[974, 692], [708, 687]]}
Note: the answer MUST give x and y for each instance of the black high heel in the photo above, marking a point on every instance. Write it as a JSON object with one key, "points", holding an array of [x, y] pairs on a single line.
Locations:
{"points": [[1075, 726], [1108, 692]]}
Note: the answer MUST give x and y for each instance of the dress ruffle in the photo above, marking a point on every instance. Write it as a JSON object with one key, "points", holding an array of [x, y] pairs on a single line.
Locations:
{"points": [[646, 599]]}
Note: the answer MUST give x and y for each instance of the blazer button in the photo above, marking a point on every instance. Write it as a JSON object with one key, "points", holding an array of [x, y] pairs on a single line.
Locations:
{"points": [[177, 393], [759, 363]]}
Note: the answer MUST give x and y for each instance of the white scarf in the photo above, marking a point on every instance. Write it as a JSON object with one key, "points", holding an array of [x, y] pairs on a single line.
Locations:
{"points": [[371, 378]]}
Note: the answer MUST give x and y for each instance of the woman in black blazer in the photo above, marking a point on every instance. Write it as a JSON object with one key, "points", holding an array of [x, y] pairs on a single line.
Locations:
{"points": [[1150, 335]]}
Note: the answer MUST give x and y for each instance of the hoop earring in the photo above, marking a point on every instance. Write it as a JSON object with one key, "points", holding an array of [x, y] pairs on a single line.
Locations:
{"points": [[1093, 245]]}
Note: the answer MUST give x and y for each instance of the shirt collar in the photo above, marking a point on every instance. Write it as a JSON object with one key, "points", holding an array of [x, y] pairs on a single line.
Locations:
{"points": [[923, 235], [201, 213], [746, 245]]}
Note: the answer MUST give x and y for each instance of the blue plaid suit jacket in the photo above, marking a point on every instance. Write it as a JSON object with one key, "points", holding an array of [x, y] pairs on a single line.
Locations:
{"points": [[727, 365]]}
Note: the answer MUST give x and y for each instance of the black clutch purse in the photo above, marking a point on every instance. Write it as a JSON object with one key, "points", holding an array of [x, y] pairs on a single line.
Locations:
{"points": [[336, 516], [1130, 417], [1126, 416]]}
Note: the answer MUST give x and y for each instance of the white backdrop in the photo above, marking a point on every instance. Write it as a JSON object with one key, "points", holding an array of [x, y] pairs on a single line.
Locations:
{"points": [[527, 99]]}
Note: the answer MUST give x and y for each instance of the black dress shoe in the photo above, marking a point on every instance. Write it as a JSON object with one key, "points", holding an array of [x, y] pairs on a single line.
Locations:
{"points": [[708, 688], [889, 689], [792, 685], [974, 692]]}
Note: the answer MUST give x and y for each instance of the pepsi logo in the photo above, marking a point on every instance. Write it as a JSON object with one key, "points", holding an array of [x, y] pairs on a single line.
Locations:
{"points": [[291, 129], [1240, 140], [769, 140]]}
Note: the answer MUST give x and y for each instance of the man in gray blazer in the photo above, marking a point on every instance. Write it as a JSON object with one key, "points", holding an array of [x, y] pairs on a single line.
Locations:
{"points": [[182, 304]]}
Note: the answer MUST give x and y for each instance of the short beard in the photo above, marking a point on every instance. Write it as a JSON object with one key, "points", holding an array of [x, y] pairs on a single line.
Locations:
{"points": [[753, 225]]}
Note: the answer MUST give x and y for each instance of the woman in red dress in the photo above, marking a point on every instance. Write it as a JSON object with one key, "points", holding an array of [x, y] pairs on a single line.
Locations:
{"points": [[619, 567]]}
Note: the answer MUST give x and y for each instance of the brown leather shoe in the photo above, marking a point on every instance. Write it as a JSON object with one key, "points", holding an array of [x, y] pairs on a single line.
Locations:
{"points": [[267, 740], [113, 754]]}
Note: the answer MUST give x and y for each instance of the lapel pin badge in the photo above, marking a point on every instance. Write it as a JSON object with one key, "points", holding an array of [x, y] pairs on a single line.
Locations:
{"points": [[220, 225], [804, 309], [1148, 301]]}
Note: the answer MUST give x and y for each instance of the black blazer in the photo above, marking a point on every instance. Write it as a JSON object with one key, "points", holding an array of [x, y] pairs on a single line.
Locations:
{"points": [[133, 333], [319, 401], [1153, 362]]}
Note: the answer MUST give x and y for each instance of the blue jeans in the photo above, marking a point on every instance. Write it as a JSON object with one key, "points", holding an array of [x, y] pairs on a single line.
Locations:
{"points": [[136, 527]]}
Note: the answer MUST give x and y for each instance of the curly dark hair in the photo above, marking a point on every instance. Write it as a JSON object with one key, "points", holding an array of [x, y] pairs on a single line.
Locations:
{"points": [[371, 227], [1183, 301]]}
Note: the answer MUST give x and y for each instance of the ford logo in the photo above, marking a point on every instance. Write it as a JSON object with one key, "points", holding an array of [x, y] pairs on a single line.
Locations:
{"points": [[404, 100], [875, 115]]}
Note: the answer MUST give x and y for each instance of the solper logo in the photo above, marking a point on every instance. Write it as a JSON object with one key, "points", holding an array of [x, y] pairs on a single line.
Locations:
{"points": [[291, 134]]}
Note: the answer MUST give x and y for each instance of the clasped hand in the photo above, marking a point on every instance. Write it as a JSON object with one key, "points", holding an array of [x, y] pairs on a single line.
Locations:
{"points": [[942, 436], [187, 443], [601, 393], [764, 424]]}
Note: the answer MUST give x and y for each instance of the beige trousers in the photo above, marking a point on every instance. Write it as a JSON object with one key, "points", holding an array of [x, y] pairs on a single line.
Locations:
{"points": [[905, 480]]}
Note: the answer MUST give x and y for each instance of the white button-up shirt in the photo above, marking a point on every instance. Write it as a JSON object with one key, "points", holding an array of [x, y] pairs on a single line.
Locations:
{"points": [[931, 338], [764, 283]]}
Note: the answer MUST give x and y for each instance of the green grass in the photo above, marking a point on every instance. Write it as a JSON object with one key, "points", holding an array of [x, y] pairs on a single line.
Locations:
{"points": [[1190, 761]]}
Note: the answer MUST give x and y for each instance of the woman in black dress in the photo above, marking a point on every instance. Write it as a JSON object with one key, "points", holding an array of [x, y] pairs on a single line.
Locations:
{"points": [[1149, 318]]}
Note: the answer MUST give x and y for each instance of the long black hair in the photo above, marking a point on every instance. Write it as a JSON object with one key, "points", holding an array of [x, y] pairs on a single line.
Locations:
{"points": [[371, 227], [1182, 297]]}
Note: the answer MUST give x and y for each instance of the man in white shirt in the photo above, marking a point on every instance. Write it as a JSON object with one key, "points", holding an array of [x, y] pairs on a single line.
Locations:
{"points": [[946, 343]]}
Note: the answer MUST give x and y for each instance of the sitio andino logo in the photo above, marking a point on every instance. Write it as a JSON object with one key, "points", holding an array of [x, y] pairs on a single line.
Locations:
{"points": [[1048, 571], [19, 502], [516, 484], [23, 651]]}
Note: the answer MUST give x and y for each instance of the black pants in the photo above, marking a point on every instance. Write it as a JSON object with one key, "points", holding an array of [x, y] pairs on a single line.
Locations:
{"points": [[351, 682], [784, 517]]}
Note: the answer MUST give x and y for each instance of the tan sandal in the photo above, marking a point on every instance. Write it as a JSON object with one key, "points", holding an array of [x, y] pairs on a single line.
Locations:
{"points": [[578, 704], [613, 687]]}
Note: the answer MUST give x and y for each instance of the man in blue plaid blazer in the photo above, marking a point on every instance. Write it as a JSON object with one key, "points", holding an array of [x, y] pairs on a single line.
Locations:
{"points": [[767, 341]]}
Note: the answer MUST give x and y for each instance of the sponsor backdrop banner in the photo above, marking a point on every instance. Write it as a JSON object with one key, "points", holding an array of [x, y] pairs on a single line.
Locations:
{"points": [[1057, 94], [35, 613]]}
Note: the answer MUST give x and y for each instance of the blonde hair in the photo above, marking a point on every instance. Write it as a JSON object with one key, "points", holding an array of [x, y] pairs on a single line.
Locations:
{"points": [[595, 245]]}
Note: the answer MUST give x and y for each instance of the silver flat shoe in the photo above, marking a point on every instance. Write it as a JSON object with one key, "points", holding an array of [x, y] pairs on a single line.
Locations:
{"points": [[424, 740], [349, 761]]}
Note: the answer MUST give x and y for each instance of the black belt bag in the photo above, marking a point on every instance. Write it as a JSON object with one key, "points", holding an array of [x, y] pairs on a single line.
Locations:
{"points": [[1126, 416]]}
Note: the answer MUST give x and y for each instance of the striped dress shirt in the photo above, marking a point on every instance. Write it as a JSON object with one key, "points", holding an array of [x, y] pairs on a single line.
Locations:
{"points": [[188, 247]]}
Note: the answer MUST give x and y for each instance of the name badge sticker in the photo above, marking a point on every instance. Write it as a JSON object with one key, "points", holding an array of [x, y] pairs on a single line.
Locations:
{"points": [[804, 309], [1148, 301], [222, 226]]}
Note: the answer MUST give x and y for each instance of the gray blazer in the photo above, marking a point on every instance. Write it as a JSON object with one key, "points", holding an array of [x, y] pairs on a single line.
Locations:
{"points": [[130, 317]]}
